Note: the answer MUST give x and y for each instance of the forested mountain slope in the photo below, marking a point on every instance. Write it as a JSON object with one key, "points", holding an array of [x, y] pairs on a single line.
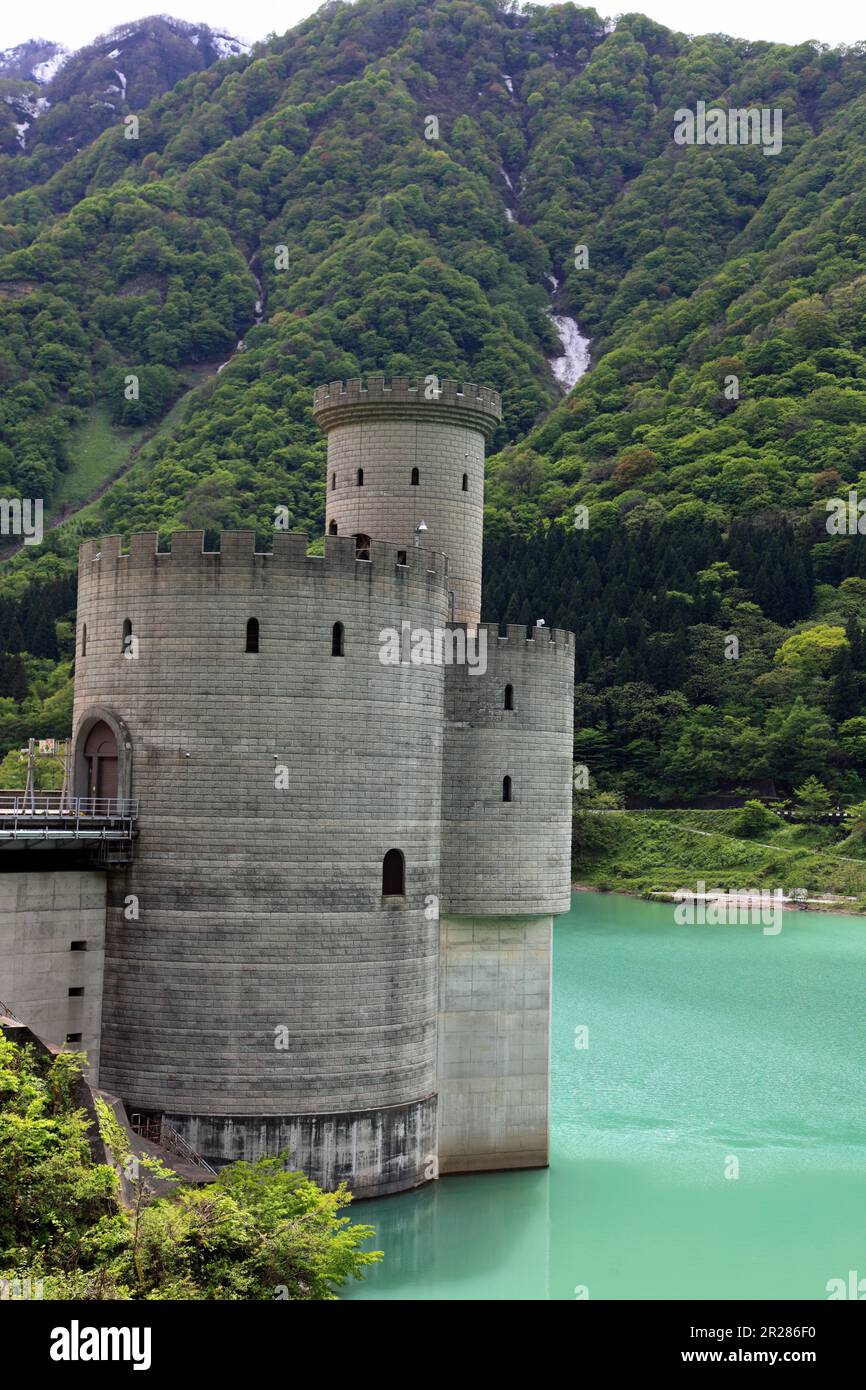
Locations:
{"points": [[361, 168], [54, 103]]}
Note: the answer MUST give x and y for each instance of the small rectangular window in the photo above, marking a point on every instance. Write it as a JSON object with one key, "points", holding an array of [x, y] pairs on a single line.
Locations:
{"points": [[73, 1037], [78, 945], [75, 991]]}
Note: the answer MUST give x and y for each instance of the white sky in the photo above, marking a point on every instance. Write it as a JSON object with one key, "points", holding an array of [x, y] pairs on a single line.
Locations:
{"points": [[789, 21]]}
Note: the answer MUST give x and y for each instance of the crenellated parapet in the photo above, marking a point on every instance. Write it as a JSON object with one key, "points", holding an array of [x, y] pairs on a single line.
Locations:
{"points": [[529, 640], [522, 680], [341, 402], [104, 563]]}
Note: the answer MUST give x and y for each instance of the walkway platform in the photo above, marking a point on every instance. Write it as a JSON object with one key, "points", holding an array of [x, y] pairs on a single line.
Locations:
{"points": [[51, 821]]}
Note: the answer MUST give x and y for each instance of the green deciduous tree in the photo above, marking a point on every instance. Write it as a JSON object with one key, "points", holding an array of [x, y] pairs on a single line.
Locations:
{"points": [[91, 1230]]}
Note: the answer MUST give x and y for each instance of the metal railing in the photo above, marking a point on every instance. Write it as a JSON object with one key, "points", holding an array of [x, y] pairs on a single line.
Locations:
{"points": [[55, 805], [176, 1144], [160, 1132], [33, 820]]}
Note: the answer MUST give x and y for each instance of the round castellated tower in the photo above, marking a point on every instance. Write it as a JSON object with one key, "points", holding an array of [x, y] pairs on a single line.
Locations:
{"points": [[266, 987], [335, 933], [506, 849], [409, 452], [506, 872]]}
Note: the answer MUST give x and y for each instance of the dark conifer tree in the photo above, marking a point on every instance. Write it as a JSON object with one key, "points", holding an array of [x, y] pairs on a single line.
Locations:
{"points": [[844, 700]]}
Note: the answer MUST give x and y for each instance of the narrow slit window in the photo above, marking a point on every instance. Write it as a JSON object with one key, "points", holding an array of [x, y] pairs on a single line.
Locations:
{"points": [[337, 640], [126, 642], [393, 874], [252, 635], [509, 697], [360, 477], [333, 482], [332, 529], [84, 639], [465, 482], [506, 789], [416, 477]]}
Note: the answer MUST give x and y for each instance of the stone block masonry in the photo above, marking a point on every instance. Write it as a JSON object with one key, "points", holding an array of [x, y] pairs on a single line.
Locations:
{"points": [[513, 721], [260, 907], [275, 984], [397, 457]]}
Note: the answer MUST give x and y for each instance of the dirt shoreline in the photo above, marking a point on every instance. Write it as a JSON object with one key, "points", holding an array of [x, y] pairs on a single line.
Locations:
{"points": [[847, 906]]}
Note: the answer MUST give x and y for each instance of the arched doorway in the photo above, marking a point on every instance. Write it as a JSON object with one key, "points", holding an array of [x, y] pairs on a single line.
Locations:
{"points": [[100, 756]]}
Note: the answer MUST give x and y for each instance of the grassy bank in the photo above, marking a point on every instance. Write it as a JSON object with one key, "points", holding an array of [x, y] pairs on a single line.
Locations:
{"points": [[101, 450], [98, 449], [652, 851]]}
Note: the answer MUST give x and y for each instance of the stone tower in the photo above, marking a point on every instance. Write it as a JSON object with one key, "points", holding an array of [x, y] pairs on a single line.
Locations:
{"points": [[334, 936], [411, 453]]}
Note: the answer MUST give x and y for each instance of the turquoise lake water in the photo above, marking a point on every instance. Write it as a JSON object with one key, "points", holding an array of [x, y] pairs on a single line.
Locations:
{"points": [[705, 1043]]}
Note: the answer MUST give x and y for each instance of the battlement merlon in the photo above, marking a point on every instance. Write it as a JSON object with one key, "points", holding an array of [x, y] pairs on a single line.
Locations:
{"points": [[408, 398], [519, 638], [237, 554]]}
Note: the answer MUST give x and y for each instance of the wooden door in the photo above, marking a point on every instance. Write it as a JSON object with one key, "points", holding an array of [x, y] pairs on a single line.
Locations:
{"points": [[100, 752]]}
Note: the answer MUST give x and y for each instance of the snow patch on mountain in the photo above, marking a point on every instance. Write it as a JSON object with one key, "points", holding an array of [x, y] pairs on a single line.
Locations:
{"points": [[28, 104], [45, 72], [226, 46]]}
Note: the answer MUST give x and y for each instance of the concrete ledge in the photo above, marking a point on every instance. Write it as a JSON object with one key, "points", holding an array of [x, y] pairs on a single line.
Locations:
{"points": [[374, 1151]]}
